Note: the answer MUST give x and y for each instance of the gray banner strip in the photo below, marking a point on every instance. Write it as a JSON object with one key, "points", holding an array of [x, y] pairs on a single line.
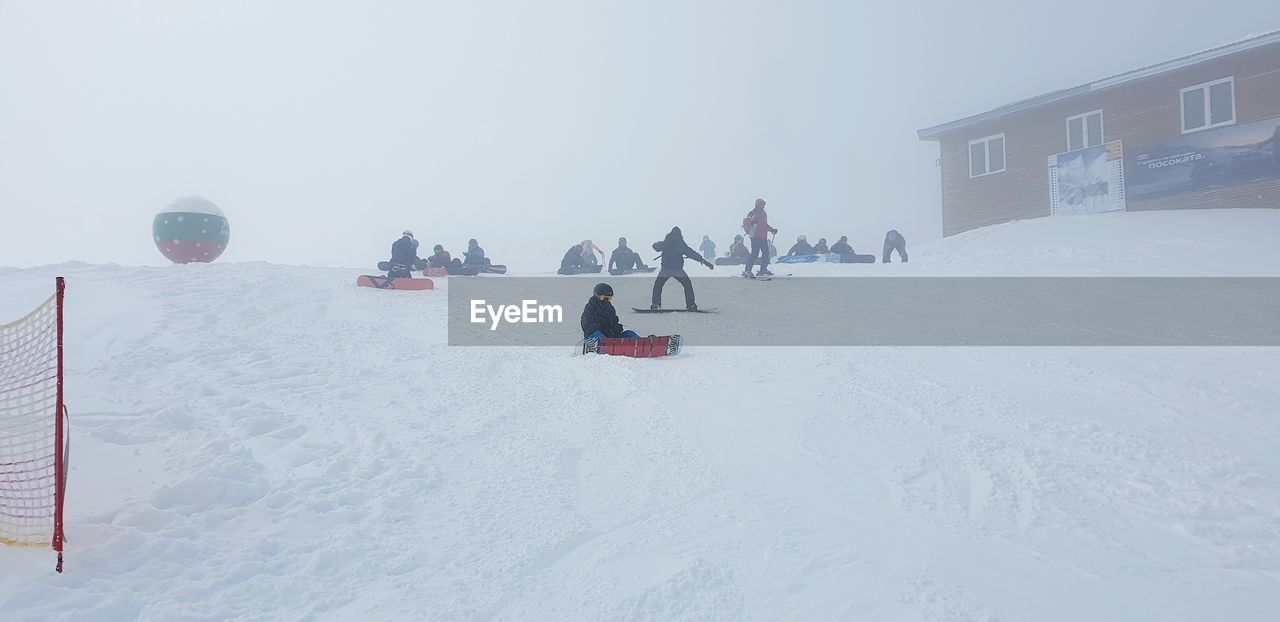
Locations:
{"points": [[891, 311]]}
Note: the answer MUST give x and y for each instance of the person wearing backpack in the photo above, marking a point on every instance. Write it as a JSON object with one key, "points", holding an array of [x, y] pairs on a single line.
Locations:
{"points": [[756, 226]]}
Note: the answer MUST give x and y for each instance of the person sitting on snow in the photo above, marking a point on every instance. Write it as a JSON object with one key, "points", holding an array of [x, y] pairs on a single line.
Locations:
{"points": [[474, 255], [708, 248], [842, 247], [404, 255], [589, 250], [821, 247], [599, 319], [572, 260], [738, 248], [441, 259], [801, 247], [623, 258]]}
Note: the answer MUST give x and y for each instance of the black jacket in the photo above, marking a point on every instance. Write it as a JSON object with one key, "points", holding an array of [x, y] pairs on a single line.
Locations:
{"points": [[622, 255], [599, 315], [820, 248], [404, 252], [842, 248], [674, 250], [474, 255], [801, 248], [573, 257]]}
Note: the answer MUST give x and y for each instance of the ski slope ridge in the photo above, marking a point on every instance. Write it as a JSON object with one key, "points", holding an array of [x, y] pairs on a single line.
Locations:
{"points": [[255, 441]]}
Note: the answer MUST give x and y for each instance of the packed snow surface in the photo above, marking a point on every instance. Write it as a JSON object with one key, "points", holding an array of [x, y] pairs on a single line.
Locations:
{"points": [[255, 441]]}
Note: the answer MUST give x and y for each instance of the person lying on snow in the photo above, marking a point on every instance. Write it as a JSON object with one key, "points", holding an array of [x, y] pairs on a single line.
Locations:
{"points": [[599, 319], [801, 247], [738, 248], [623, 258], [474, 255], [842, 247], [821, 247], [404, 255]]}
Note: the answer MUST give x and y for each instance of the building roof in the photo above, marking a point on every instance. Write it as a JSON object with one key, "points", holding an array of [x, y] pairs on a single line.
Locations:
{"points": [[935, 132]]}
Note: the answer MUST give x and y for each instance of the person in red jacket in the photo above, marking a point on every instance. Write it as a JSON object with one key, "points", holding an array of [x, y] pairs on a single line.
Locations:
{"points": [[756, 224]]}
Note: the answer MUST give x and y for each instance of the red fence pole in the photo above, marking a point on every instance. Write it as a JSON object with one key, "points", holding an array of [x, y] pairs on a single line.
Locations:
{"points": [[59, 465]]}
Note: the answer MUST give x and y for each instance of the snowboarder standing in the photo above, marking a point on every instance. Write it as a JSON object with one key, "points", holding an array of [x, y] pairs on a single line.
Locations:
{"points": [[756, 226], [708, 248], [894, 241], [801, 247], [623, 258], [599, 318], [674, 250], [404, 256]]}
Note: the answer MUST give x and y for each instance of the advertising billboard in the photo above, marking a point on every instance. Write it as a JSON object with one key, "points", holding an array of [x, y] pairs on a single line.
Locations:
{"points": [[1087, 180], [1216, 158]]}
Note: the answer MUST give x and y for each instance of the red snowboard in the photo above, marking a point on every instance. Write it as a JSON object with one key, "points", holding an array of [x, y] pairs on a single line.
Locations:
{"points": [[382, 282], [641, 348]]}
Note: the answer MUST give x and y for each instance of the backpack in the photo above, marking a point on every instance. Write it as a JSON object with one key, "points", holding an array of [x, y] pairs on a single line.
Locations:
{"points": [[749, 225]]}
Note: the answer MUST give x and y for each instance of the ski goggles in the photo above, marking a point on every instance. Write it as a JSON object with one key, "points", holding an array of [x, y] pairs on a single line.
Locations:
{"points": [[607, 298]]}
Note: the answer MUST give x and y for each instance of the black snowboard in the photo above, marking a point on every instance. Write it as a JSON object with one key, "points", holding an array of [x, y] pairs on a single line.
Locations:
{"points": [[622, 271], [707, 310], [385, 266], [581, 269], [463, 270], [492, 268], [857, 258], [730, 261]]}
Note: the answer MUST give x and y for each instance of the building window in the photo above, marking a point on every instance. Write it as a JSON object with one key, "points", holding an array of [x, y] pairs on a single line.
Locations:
{"points": [[1212, 104], [1084, 130], [986, 156]]}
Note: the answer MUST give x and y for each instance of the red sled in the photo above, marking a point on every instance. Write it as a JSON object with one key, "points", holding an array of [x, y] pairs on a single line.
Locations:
{"points": [[401, 283], [635, 347]]}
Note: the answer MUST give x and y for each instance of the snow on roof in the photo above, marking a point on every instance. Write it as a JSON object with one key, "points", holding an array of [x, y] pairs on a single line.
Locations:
{"points": [[934, 132]]}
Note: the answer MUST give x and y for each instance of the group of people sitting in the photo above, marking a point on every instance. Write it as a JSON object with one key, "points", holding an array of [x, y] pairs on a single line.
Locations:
{"points": [[584, 254], [404, 256], [803, 247]]}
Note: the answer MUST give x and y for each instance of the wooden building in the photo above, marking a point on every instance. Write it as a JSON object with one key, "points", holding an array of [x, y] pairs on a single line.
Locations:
{"points": [[1200, 131]]}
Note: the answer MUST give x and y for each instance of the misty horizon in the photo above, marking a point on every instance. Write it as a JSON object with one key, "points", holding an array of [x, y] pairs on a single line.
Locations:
{"points": [[323, 130]]}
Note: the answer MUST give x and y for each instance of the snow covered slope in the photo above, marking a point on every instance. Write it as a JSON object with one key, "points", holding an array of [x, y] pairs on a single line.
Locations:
{"points": [[255, 441]]}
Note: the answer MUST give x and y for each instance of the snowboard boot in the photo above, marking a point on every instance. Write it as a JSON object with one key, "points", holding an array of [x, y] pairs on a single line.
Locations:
{"points": [[692, 307], [655, 306], [764, 272], [747, 274]]}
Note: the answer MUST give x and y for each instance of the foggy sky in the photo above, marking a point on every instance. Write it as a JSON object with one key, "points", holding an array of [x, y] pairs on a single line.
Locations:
{"points": [[323, 129]]}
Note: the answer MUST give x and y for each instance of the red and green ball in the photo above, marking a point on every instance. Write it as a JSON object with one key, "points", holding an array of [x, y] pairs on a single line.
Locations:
{"points": [[191, 229]]}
